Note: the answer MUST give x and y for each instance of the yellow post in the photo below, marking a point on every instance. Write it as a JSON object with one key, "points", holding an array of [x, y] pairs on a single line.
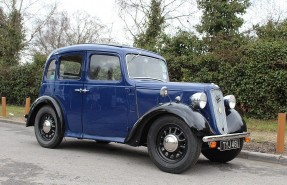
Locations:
{"points": [[27, 106], [281, 132], [4, 107]]}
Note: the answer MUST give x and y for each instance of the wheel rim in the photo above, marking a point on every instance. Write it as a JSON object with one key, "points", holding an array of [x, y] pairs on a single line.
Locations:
{"points": [[171, 143], [47, 127]]}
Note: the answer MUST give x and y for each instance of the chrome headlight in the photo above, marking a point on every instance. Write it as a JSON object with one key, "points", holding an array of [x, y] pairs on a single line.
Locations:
{"points": [[230, 101], [198, 100]]}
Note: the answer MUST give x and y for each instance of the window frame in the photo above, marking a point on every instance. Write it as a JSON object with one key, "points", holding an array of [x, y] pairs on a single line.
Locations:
{"points": [[81, 54], [140, 54], [47, 68], [105, 81]]}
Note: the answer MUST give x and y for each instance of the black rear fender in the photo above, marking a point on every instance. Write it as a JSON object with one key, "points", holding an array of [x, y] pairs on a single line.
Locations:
{"points": [[40, 102]]}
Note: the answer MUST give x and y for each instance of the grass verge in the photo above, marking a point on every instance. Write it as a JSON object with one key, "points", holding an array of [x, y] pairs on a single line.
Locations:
{"points": [[257, 125], [14, 111]]}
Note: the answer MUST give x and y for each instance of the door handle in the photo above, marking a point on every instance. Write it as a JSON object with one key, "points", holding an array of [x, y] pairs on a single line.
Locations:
{"points": [[79, 90], [85, 90], [82, 90]]}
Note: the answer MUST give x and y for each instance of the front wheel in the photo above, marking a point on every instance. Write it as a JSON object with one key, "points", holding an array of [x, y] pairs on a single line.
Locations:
{"points": [[172, 146], [216, 155], [47, 128]]}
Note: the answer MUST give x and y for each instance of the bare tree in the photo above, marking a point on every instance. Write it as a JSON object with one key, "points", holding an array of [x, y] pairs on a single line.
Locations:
{"points": [[263, 11], [134, 13], [62, 30], [32, 11], [34, 15]]}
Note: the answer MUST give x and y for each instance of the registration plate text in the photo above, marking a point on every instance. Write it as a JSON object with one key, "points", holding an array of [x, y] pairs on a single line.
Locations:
{"points": [[229, 144]]}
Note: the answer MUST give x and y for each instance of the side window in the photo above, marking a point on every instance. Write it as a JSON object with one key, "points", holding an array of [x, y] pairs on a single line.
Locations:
{"points": [[70, 67], [104, 67], [50, 74]]}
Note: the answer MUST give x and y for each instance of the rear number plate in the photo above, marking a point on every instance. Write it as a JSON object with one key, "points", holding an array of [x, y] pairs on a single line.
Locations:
{"points": [[230, 144]]}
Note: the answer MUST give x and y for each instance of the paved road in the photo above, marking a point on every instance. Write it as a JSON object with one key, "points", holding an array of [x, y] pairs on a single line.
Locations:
{"points": [[23, 161]]}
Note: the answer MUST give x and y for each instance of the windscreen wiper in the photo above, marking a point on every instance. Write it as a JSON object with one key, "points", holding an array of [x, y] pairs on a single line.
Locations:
{"points": [[149, 78]]}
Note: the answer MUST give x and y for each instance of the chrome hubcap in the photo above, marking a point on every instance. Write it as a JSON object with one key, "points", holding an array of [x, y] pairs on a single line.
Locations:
{"points": [[170, 143], [47, 125]]}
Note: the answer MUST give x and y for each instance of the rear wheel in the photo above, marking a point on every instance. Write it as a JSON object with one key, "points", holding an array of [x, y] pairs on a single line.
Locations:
{"points": [[47, 128], [216, 155], [172, 145]]}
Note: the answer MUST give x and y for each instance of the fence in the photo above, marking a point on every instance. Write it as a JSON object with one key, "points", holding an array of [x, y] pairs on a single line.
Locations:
{"points": [[281, 132], [4, 106]]}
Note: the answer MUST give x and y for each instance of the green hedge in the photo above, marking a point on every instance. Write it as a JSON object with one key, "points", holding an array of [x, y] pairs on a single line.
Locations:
{"points": [[19, 82], [262, 79], [258, 80]]}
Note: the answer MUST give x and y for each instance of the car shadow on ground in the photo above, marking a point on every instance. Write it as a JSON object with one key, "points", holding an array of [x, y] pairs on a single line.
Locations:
{"points": [[139, 154], [111, 148]]}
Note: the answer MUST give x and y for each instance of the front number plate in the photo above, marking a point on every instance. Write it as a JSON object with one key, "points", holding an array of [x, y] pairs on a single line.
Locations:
{"points": [[229, 145]]}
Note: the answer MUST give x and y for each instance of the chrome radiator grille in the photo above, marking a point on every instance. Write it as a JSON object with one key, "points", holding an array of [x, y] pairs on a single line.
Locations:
{"points": [[219, 110]]}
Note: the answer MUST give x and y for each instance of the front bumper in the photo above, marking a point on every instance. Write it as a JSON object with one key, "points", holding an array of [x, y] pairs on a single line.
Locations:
{"points": [[225, 137]]}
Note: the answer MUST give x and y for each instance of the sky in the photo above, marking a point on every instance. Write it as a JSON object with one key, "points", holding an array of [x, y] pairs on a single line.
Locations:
{"points": [[107, 11]]}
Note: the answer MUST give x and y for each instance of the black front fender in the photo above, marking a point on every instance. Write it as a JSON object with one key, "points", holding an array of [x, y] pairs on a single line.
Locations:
{"points": [[194, 119], [40, 102], [235, 123]]}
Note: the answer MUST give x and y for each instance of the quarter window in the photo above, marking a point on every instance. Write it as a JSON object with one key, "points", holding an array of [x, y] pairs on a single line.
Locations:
{"points": [[104, 67], [70, 67], [50, 74]]}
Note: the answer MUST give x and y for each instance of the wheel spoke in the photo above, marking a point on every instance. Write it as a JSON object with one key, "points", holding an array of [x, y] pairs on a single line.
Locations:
{"points": [[164, 134], [175, 129], [182, 146], [172, 156], [181, 140]]}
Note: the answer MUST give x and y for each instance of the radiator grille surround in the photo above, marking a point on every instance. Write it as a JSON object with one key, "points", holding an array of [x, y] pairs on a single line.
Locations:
{"points": [[219, 111]]}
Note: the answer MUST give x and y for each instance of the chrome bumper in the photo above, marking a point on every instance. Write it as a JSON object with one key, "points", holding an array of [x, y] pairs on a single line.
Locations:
{"points": [[225, 137]]}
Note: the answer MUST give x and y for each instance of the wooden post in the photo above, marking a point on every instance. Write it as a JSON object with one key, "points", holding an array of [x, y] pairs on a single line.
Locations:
{"points": [[281, 132], [27, 106], [4, 107]]}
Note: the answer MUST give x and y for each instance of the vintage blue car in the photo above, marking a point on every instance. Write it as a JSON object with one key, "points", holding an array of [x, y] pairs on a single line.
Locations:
{"points": [[123, 94]]}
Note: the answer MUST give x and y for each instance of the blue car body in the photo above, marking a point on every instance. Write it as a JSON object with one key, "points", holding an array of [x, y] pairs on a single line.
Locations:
{"points": [[121, 111], [123, 94]]}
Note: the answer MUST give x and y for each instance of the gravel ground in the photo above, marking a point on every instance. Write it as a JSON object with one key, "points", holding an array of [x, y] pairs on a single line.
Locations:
{"points": [[264, 142]]}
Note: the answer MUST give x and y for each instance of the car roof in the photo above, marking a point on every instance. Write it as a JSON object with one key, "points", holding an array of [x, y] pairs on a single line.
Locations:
{"points": [[105, 47]]}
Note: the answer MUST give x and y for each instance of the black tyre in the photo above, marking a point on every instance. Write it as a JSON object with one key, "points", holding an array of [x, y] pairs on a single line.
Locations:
{"points": [[216, 155], [172, 146], [47, 128]]}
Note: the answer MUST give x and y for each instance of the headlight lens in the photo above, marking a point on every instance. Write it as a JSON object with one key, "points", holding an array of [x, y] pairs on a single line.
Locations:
{"points": [[230, 101], [198, 100]]}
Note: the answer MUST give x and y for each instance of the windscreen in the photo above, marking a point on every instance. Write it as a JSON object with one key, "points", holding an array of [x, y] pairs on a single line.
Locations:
{"points": [[143, 67]]}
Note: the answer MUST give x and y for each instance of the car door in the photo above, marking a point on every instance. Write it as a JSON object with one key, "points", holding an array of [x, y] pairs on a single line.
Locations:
{"points": [[68, 86], [105, 106]]}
